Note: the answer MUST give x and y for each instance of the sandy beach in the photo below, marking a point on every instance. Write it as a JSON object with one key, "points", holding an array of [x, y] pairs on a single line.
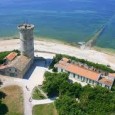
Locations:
{"points": [[58, 47]]}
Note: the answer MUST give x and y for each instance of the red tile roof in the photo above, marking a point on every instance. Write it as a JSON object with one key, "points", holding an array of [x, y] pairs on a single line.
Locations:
{"points": [[11, 56], [106, 81], [78, 70]]}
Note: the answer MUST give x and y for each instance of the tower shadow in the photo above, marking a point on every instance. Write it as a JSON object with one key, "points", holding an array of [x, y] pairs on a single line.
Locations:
{"points": [[38, 62]]}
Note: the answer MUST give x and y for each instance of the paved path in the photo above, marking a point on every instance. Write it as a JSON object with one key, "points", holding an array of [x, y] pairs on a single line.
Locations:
{"points": [[42, 92], [40, 102], [35, 77]]}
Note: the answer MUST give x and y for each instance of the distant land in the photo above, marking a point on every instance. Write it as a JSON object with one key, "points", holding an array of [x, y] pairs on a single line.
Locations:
{"points": [[66, 20]]}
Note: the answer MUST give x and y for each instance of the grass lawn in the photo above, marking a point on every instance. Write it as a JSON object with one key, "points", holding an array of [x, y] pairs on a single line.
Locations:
{"points": [[4, 54], [13, 100], [47, 109], [37, 94]]}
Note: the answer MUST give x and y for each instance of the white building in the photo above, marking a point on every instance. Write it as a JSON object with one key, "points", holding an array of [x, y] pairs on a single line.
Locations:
{"points": [[84, 74]]}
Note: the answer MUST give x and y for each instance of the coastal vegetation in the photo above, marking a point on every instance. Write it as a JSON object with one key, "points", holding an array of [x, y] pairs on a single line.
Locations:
{"points": [[47, 109], [11, 101], [102, 67], [17, 51], [77, 100]]}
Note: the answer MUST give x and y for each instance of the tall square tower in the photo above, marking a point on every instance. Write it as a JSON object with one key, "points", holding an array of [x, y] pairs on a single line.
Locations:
{"points": [[26, 40]]}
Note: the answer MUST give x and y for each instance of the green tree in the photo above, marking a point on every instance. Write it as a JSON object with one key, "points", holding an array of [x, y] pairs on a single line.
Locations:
{"points": [[97, 100], [3, 107], [55, 60], [53, 81], [68, 106], [70, 89], [77, 100]]}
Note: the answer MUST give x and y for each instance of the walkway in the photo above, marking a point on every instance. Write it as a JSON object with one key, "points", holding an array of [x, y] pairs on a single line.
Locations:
{"points": [[40, 102], [33, 78]]}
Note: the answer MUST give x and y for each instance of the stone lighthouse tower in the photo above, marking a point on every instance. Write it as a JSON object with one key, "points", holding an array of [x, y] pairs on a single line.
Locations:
{"points": [[26, 40]]}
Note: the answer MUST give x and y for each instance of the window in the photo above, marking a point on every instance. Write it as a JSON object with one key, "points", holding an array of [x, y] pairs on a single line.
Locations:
{"points": [[97, 83], [74, 75], [92, 82], [86, 80], [83, 79], [12, 74], [78, 76], [107, 86], [15, 70], [100, 84]]}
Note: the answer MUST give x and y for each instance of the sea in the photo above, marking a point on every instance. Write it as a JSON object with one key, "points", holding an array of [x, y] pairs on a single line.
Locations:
{"points": [[71, 21]]}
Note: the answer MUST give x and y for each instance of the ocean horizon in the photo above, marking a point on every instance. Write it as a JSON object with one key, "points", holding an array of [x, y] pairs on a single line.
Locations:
{"points": [[66, 20]]}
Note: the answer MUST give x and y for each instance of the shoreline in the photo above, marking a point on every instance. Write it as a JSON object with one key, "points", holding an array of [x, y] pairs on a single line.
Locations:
{"points": [[108, 51], [58, 47], [42, 39]]}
